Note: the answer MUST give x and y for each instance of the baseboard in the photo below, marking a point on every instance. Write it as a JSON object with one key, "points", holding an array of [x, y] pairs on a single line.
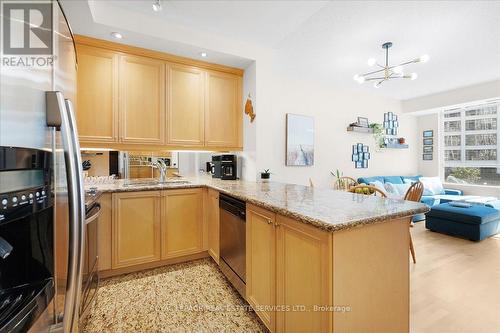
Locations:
{"points": [[137, 268]]}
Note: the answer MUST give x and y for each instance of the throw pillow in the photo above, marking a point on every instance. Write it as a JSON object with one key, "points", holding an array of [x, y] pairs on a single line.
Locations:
{"points": [[432, 185], [379, 185], [397, 191]]}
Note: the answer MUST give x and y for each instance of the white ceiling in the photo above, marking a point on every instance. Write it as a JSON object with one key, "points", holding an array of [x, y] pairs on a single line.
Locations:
{"points": [[326, 40], [260, 22]]}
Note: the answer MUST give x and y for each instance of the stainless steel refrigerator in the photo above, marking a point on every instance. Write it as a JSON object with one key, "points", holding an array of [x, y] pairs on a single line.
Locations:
{"points": [[36, 111]]}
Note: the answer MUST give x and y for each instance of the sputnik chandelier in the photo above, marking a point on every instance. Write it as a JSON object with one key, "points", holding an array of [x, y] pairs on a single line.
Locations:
{"points": [[388, 72]]}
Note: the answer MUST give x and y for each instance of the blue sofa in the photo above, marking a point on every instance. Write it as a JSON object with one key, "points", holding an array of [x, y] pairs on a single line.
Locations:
{"points": [[429, 200]]}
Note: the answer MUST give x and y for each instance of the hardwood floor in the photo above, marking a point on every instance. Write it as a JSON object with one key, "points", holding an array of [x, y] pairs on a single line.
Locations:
{"points": [[455, 284]]}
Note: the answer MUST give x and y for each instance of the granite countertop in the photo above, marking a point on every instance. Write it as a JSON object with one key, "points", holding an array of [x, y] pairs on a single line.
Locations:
{"points": [[324, 208]]}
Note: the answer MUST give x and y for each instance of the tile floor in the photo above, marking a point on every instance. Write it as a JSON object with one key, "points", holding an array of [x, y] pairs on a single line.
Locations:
{"points": [[187, 297]]}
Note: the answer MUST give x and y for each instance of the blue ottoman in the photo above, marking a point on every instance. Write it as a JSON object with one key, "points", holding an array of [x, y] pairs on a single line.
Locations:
{"points": [[475, 223]]}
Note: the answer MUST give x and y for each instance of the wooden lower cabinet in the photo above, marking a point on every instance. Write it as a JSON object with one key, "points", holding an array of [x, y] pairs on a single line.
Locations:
{"points": [[289, 272], [261, 263], [150, 226], [303, 277], [212, 218], [182, 222], [136, 228], [104, 232]]}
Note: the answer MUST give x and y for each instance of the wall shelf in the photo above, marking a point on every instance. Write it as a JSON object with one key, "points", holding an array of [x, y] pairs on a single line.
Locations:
{"points": [[360, 129], [395, 146]]}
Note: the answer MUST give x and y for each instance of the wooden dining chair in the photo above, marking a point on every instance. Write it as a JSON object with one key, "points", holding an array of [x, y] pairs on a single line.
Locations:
{"points": [[414, 193], [367, 190], [344, 183]]}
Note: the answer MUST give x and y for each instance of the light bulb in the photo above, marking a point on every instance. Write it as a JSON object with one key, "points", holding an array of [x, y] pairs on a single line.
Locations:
{"points": [[203, 54], [424, 58], [413, 76], [156, 5], [398, 69], [117, 35], [359, 78], [371, 61]]}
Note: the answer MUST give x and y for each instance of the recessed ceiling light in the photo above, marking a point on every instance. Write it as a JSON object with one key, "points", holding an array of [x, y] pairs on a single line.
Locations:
{"points": [[156, 5], [117, 35], [203, 54]]}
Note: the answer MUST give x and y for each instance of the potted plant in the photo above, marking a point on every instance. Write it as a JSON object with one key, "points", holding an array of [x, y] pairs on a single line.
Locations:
{"points": [[338, 183], [378, 134], [265, 175]]}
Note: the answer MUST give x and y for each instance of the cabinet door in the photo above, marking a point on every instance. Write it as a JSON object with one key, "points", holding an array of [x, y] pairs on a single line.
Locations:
{"points": [[104, 232], [213, 223], [261, 263], [223, 118], [182, 224], [136, 228], [304, 277], [142, 100], [97, 101], [185, 117]]}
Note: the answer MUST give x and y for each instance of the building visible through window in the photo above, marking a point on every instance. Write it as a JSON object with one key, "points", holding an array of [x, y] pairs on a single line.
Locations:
{"points": [[470, 140]]}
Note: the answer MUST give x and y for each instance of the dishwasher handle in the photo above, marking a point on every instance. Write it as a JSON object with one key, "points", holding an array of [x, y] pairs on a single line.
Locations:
{"points": [[236, 210]]}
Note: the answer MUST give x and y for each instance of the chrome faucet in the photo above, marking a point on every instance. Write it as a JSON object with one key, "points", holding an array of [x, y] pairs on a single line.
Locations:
{"points": [[162, 167]]}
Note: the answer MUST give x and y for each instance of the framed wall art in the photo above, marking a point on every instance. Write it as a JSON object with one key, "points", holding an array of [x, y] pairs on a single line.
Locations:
{"points": [[360, 155], [299, 140], [428, 141]]}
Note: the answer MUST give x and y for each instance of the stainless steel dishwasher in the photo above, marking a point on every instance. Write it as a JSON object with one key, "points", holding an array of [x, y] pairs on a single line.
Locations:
{"points": [[233, 241]]}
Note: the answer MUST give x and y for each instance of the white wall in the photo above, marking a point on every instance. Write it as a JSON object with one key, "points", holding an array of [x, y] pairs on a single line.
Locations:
{"points": [[333, 109], [428, 122], [247, 158], [455, 97]]}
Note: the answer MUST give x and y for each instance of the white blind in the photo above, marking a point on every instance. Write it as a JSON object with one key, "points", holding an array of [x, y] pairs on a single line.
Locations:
{"points": [[470, 136]]}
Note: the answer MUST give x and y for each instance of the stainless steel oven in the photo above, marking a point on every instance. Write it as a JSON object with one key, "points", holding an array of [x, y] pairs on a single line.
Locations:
{"points": [[233, 241]]}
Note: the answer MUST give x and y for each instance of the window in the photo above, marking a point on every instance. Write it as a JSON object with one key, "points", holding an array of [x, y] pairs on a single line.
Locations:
{"points": [[470, 140]]}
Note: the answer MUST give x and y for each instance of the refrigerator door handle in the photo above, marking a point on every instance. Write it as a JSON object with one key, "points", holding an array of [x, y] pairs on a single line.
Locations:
{"points": [[76, 195]]}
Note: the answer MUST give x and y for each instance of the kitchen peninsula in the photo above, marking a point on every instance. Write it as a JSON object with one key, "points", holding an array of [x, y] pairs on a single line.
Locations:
{"points": [[316, 259]]}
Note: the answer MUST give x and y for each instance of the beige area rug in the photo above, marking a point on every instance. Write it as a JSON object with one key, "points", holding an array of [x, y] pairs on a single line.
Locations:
{"points": [[187, 297]]}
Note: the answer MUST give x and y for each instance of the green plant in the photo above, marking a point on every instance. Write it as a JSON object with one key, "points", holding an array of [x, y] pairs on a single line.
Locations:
{"points": [[337, 174], [470, 175], [378, 134]]}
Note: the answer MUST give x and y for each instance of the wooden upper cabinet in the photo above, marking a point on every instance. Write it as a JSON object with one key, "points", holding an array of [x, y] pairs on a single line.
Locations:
{"points": [[142, 100], [182, 223], [97, 95], [223, 118], [185, 105], [136, 228], [132, 98]]}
